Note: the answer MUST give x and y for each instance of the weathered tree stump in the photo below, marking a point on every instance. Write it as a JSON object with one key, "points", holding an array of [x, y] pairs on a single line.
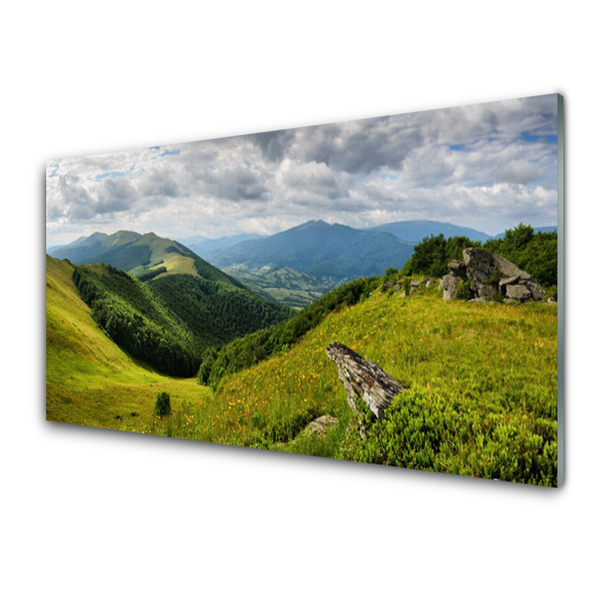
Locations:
{"points": [[363, 379]]}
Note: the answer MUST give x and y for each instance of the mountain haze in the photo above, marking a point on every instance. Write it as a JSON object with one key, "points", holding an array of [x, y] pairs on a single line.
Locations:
{"points": [[320, 249], [415, 231], [202, 246]]}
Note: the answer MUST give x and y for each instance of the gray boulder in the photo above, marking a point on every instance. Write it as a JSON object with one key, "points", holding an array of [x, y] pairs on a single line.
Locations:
{"points": [[457, 268], [363, 379], [449, 284], [517, 292]]}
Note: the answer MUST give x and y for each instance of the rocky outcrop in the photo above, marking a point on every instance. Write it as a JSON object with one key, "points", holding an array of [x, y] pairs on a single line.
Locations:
{"points": [[321, 425], [363, 379], [399, 284], [488, 275]]}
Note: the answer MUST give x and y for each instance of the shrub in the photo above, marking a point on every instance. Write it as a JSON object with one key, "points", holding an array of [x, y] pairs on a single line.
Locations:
{"points": [[463, 290], [162, 408]]}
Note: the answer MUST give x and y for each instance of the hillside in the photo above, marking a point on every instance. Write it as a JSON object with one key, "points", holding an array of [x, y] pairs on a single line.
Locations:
{"points": [[171, 305], [144, 255], [89, 379], [169, 321], [415, 231], [475, 403]]}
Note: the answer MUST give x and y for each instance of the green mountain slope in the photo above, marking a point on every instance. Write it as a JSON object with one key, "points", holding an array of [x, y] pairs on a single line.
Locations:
{"points": [[168, 322], [89, 379], [216, 312], [144, 256]]}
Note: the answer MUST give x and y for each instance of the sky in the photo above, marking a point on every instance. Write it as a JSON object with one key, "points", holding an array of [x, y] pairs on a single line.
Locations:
{"points": [[487, 166]]}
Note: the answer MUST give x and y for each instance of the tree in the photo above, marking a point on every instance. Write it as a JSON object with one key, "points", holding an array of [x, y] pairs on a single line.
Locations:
{"points": [[162, 408]]}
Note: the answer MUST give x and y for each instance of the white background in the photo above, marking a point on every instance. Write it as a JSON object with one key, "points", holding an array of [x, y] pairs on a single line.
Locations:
{"points": [[94, 514]]}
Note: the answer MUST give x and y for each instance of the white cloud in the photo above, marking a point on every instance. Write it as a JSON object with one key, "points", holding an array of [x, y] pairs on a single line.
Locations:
{"points": [[487, 166]]}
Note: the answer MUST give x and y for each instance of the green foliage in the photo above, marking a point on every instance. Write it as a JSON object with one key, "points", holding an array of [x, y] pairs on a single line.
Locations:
{"points": [[463, 290], [162, 408], [535, 253], [432, 255], [208, 359], [136, 321], [390, 274], [125, 258], [169, 321], [428, 431], [89, 379], [247, 351], [144, 274], [216, 312], [474, 404]]}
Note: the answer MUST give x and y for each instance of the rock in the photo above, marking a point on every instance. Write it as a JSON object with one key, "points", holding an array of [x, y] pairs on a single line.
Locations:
{"points": [[449, 284], [537, 293], [415, 283], [457, 268], [386, 286], [428, 283], [363, 379], [490, 273], [508, 280], [321, 425], [517, 292]]}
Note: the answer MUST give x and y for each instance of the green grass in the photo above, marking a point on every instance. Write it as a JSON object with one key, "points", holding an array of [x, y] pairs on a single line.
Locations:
{"points": [[480, 398], [480, 379]]}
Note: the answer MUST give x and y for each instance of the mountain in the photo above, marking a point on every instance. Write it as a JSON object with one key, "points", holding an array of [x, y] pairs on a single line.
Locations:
{"points": [[128, 250], [202, 246], [414, 231], [311, 258], [146, 256], [170, 305]]}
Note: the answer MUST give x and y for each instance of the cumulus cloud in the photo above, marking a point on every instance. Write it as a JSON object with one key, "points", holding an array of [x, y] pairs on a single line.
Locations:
{"points": [[488, 166]]}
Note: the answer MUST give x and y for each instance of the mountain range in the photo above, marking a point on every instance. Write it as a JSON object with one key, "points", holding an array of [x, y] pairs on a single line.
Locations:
{"points": [[300, 264], [294, 267], [170, 305], [415, 231]]}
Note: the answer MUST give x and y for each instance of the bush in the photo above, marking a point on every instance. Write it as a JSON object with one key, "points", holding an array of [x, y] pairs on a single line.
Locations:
{"points": [[162, 408], [535, 253], [463, 290], [432, 255]]}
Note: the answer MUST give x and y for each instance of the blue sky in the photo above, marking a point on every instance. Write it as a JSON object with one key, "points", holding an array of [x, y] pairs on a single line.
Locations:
{"points": [[487, 166]]}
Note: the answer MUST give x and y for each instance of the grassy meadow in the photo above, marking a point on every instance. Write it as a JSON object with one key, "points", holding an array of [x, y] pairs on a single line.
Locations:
{"points": [[480, 383]]}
